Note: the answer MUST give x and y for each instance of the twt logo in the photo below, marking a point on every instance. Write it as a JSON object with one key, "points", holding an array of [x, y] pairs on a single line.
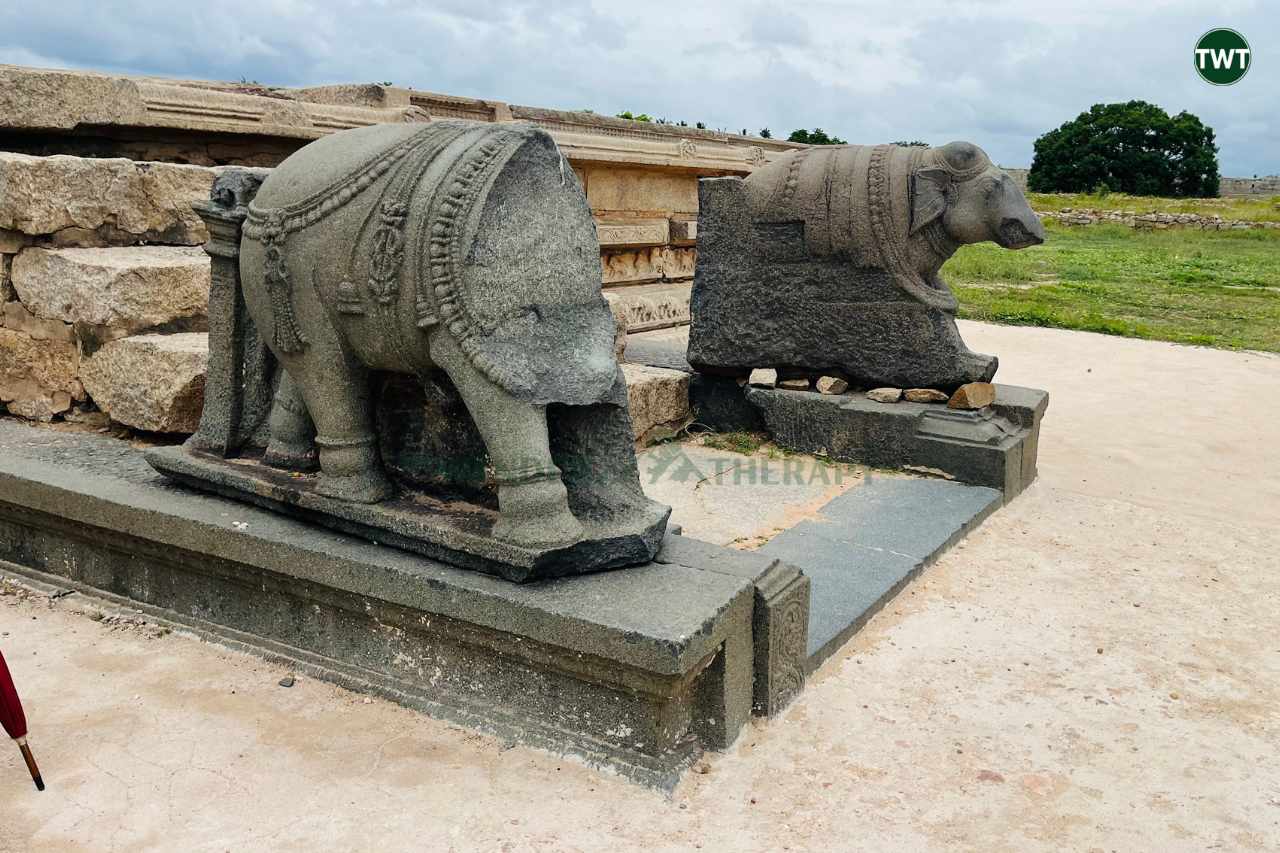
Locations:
{"points": [[1222, 57]]}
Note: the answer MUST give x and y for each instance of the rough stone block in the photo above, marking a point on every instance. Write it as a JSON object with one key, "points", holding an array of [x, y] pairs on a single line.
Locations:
{"points": [[80, 201], [658, 399], [37, 376], [989, 447], [832, 385], [974, 395], [763, 377], [119, 289], [925, 395], [885, 395], [150, 382], [6, 284]]}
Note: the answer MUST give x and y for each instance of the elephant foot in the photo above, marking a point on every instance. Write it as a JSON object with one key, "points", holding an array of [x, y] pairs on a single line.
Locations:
{"points": [[351, 470], [291, 457], [536, 515], [369, 487]]}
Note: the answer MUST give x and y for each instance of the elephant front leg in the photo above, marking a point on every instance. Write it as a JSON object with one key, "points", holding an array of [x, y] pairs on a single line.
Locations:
{"points": [[533, 504]]}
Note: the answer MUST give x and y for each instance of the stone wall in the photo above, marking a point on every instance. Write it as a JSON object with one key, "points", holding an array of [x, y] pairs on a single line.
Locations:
{"points": [[103, 286], [1150, 220], [1265, 186], [95, 256]]}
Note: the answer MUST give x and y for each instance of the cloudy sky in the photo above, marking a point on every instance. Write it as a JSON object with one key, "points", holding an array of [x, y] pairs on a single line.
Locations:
{"points": [[998, 72]]}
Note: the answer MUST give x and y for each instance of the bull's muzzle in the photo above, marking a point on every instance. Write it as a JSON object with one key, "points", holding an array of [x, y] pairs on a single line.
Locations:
{"points": [[1014, 234]]}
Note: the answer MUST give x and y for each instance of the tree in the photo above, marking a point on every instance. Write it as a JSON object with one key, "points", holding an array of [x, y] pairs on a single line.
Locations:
{"points": [[641, 117], [914, 143], [817, 136], [1134, 147], [765, 133]]}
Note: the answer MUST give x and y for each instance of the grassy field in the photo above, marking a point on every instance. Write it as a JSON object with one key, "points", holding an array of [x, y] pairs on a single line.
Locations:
{"points": [[1215, 288], [1254, 209]]}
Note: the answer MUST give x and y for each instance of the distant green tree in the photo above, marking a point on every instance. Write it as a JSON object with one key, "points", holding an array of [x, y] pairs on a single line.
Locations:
{"points": [[638, 117], [765, 133], [915, 143], [1134, 147], [817, 136]]}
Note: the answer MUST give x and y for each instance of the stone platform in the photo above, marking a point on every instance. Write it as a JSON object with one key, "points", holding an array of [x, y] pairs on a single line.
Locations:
{"points": [[994, 447], [637, 669]]}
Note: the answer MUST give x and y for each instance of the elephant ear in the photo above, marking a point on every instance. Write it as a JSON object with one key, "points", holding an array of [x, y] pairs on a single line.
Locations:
{"points": [[928, 196]]}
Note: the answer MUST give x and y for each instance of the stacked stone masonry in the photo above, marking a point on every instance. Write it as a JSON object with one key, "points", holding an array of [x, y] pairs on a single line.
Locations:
{"points": [[99, 244], [1151, 219]]}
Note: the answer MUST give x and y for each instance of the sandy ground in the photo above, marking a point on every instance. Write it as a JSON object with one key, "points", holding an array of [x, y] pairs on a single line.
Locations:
{"points": [[1096, 668]]}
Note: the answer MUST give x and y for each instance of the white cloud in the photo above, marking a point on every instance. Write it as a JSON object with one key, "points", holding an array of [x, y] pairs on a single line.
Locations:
{"points": [[998, 72]]}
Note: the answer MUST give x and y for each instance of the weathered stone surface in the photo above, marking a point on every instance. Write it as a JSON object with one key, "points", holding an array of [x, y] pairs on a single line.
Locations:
{"points": [[122, 289], [79, 201], [37, 376], [925, 395], [659, 263], [828, 259], [618, 308], [885, 395], [974, 395], [12, 242], [150, 382], [14, 315], [868, 543], [832, 385], [798, 384], [684, 232], [763, 377], [6, 284], [633, 233], [653, 306], [658, 399]]}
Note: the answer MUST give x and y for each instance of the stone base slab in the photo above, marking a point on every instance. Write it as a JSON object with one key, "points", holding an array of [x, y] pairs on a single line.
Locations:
{"points": [[638, 670], [458, 532], [994, 447]]}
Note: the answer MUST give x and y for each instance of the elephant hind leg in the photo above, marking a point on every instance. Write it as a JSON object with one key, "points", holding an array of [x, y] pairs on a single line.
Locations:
{"points": [[533, 504], [293, 435], [337, 398]]}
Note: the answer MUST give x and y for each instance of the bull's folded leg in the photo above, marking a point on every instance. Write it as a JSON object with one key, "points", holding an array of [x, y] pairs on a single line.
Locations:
{"points": [[533, 504], [293, 445]]}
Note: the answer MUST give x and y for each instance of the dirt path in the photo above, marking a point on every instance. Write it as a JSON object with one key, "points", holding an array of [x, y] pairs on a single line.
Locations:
{"points": [[1097, 667]]}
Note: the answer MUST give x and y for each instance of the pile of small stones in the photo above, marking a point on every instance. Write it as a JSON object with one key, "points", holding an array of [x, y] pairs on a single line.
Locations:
{"points": [[975, 395]]}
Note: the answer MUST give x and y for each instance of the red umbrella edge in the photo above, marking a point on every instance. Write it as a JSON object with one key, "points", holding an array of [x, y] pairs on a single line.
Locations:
{"points": [[14, 721]]}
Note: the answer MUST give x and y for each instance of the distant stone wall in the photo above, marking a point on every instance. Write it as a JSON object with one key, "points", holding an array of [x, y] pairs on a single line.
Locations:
{"points": [[1019, 176], [1269, 185], [1159, 221]]}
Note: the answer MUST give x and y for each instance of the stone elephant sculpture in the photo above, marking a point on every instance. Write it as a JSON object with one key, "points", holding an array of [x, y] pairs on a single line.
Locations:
{"points": [[409, 248], [829, 258]]}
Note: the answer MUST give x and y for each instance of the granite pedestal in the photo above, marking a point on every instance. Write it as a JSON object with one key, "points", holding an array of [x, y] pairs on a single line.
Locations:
{"points": [[637, 669]]}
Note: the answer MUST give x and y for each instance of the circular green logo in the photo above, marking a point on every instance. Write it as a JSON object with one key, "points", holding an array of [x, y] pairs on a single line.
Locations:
{"points": [[1222, 57]]}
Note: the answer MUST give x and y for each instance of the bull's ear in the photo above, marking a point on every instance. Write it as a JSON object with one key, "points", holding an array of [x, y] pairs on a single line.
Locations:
{"points": [[928, 196]]}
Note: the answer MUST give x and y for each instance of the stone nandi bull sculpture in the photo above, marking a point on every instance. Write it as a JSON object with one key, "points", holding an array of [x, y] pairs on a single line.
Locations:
{"points": [[414, 249], [828, 258]]}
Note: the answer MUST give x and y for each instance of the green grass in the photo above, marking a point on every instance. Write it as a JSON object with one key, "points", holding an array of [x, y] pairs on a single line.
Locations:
{"points": [[1214, 288], [745, 443], [1253, 209]]}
